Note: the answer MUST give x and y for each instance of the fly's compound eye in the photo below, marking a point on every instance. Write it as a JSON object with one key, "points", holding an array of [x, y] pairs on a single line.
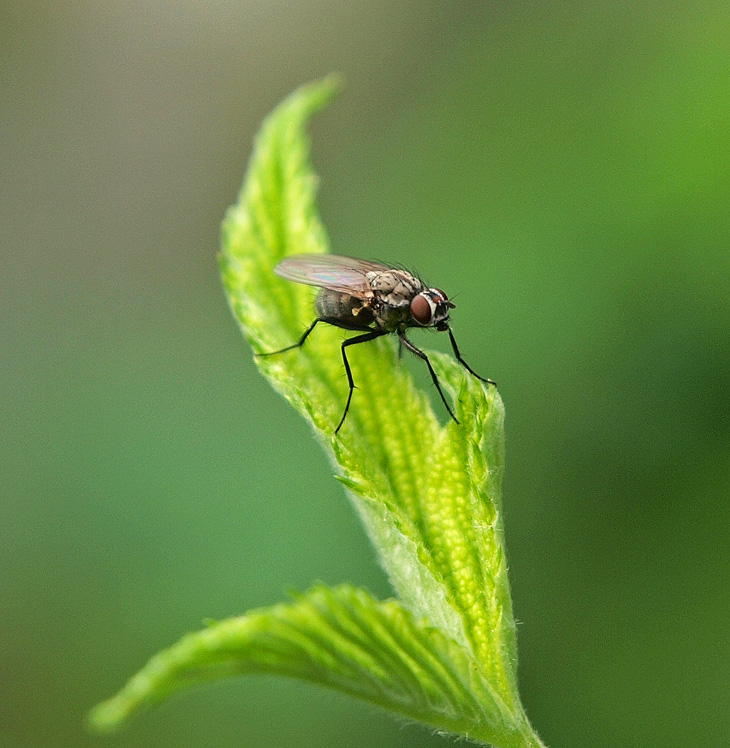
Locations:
{"points": [[423, 309]]}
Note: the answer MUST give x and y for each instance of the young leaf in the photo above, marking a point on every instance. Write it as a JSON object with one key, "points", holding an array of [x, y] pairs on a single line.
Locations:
{"points": [[341, 638], [429, 495]]}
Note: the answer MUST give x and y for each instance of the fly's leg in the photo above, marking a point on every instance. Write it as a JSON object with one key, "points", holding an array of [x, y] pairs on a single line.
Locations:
{"points": [[412, 348], [354, 341], [463, 363], [298, 344], [328, 321]]}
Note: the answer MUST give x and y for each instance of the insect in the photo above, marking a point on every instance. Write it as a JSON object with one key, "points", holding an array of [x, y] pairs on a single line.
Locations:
{"points": [[374, 299]]}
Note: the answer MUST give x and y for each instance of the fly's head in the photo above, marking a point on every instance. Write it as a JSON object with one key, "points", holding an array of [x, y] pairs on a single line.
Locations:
{"points": [[430, 308]]}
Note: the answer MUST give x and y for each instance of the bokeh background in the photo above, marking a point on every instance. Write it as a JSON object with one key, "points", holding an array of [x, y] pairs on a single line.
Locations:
{"points": [[562, 168]]}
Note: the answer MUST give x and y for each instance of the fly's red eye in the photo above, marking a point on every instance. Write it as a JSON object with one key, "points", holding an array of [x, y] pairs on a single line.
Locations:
{"points": [[422, 309]]}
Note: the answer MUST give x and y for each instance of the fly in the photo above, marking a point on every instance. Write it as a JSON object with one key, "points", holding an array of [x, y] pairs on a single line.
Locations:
{"points": [[373, 299]]}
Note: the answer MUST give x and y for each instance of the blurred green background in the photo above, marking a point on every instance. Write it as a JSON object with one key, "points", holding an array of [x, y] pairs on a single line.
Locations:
{"points": [[562, 168]]}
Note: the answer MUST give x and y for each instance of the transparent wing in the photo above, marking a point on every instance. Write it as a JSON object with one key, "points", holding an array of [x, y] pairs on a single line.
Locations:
{"points": [[345, 274]]}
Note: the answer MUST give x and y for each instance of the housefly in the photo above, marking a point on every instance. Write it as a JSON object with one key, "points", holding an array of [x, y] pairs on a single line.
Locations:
{"points": [[374, 299]]}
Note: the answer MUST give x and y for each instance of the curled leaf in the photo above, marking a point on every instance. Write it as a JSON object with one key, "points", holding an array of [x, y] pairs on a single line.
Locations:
{"points": [[429, 494]]}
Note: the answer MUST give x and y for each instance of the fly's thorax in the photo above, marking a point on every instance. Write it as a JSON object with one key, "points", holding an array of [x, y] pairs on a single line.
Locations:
{"points": [[350, 311], [391, 318], [394, 288]]}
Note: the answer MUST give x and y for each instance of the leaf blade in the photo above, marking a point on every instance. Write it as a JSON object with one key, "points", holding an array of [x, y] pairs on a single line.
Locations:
{"points": [[429, 495], [341, 638]]}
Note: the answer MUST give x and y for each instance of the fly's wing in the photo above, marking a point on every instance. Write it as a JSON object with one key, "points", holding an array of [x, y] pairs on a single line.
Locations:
{"points": [[345, 274]]}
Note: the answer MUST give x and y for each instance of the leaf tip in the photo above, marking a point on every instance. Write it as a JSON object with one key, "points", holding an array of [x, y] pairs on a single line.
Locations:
{"points": [[105, 717], [318, 93], [334, 83]]}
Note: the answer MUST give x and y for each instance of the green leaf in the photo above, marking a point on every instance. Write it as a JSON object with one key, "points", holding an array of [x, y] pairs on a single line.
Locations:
{"points": [[341, 638], [429, 494]]}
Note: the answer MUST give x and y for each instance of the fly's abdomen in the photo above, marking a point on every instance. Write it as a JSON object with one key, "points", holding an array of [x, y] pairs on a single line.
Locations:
{"points": [[342, 309]]}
